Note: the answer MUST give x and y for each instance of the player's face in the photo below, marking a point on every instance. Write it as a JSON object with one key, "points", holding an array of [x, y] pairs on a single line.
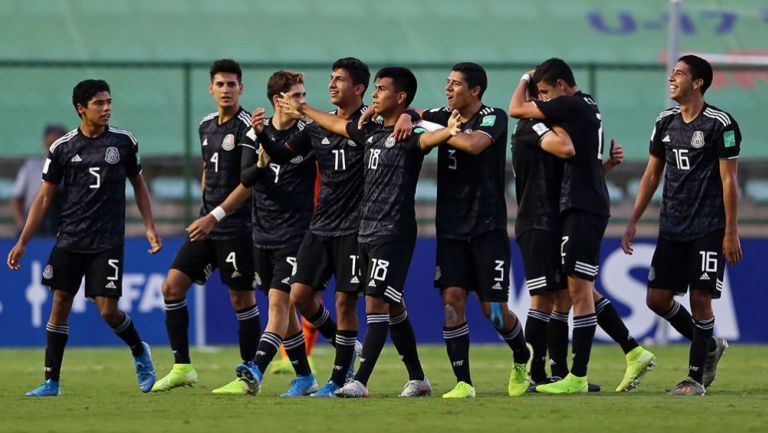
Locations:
{"points": [[458, 92], [385, 97], [297, 93], [341, 88], [226, 90], [548, 91], [681, 83], [98, 109]]}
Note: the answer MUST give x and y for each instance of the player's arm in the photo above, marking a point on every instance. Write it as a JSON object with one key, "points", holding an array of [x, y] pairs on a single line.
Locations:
{"points": [[616, 154], [648, 185], [558, 142], [731, 244], [37, 210], [519, 107], [428, 140], [201, 227], [331, 122], [144, 203]]}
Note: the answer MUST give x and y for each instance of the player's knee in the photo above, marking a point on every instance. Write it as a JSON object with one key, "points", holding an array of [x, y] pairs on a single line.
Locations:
{"points": [[701, 300], [496, 315], [169, 291], [658, 304], [301, 302]]}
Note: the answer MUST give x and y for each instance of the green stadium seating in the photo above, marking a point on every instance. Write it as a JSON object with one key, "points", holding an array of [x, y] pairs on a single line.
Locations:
{"points": [[173, 188]]}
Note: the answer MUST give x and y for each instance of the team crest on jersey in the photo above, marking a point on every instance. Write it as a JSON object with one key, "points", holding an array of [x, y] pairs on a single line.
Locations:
{"points": [[228, 143], [297, 160], [651, 274], [48, 272], [112, 156], [697, 141], [438, 274], [390, 142]]}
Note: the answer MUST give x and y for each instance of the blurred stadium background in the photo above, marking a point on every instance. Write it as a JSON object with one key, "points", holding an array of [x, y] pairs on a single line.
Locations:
{"points": [[155, 54]]}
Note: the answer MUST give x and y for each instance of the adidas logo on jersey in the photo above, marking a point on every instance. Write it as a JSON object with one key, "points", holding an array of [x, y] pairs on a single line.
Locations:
{"points": [[704, 277], [496, 286], [369, 140], [326, 141], [666, 139], [76, 158], [111, 285], [205, 142], [354, 280]]}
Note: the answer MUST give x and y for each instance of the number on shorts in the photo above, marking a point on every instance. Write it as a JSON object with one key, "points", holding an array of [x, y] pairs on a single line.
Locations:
{"points": [[562, 249], [708, 261], [379, 269], [499, 267], [232, 258], [292, 261], [114, 264], [353, 259]]}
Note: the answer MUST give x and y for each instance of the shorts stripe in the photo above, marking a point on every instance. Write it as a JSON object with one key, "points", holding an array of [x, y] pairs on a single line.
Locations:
{"points": [[586, 268], [393, 294], [536, 283]]}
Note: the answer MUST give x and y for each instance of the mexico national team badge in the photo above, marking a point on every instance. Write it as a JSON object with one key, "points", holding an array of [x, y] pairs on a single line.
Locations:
{"points": [[228, 143], [697, 141], [112, 156], [390, 142]]}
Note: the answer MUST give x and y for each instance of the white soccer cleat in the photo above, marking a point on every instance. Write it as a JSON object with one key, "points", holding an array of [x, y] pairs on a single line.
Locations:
{"points": [[352, 389], [417, 388]]}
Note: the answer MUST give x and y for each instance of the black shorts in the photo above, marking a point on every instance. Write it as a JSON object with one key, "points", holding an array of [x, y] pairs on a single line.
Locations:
{"points": [[319, 257], [384, 264], [698, 264], [275, 267], [233, 258], [540, 250], [480, 264], [580, 245], [103, 272]]}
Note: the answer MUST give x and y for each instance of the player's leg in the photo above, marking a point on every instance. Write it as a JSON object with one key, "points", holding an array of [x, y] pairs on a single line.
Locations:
{"points": [[404, 339], [557, 337], [310, 332], [304, 383], [536, 329], [313, 268]]}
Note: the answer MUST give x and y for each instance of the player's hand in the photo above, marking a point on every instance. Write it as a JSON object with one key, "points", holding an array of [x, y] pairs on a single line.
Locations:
{"points": [[626, 240], [155, 242], [454, 123], [403, 127], [732, 249], [14, 257], [200, 228], [257, 120], [263, 158], [366, 116], [290, 106], [616, 153]]}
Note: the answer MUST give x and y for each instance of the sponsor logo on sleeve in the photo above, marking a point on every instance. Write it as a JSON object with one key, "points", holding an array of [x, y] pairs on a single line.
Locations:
{"points": [[729, 139], [489, 120]]}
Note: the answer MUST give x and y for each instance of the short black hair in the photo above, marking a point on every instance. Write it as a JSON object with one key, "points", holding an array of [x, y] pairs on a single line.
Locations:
{"points": [[52, 128], [86, 89], [356, 68], [474, 75], [532, 89], [403, 80], [700, 70], [226, 66], [554, 69]]}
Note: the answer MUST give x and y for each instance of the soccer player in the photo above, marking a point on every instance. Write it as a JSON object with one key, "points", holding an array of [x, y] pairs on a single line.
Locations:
{"points": [[472, 241], [696, 146], [283, 201], [228, 247], [387, 232], [584, 208], [93, 161]]}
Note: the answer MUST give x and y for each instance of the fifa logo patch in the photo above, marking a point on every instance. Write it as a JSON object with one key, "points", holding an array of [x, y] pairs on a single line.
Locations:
{"points": [[112, 155], [228, 143], [697, 141]]}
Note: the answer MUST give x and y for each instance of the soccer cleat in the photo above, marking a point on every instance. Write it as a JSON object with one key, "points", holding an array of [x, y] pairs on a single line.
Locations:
{"points": [[417, 388], [236, 387], [280, 366], [49, 388], [250, 373], [327, 391], [591, 387], [569, 385], [639, 362], [301, 386], [145, 371], [352, 389], [461, 390], [688, 387], [180, 375], [518, 381], [710, 362]]}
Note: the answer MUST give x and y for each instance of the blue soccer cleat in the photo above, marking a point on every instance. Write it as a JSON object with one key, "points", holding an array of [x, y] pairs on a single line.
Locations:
{"points": [[145, 371], [250, 373], [301, 386], [327, 391], [49, 388]]}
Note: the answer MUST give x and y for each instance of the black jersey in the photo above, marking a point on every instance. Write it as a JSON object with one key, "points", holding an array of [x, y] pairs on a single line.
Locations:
{"points": [[538, 176], [583, 180], [340, 161], [283, 194], [692, 204], [222, 148], [470, 188], [94, 172], [390, 176]]}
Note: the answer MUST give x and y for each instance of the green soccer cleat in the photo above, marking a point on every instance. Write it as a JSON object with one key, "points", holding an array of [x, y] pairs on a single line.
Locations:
{"points": [[280, 366], [462, 390], [236, 387], [570, 385], [180, 375], [639, 362], [518, 381], [688, 387]]}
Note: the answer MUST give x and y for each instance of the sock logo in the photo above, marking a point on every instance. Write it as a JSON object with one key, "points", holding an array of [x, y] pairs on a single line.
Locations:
{"points": [[457, 363]]}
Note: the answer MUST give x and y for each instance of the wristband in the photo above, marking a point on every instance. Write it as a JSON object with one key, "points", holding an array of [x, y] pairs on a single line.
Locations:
{"points": [[526, 77], [218, 213]]}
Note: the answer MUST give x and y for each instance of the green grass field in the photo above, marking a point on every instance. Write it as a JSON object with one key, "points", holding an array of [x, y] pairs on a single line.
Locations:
{"points": [[99, 394]]}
